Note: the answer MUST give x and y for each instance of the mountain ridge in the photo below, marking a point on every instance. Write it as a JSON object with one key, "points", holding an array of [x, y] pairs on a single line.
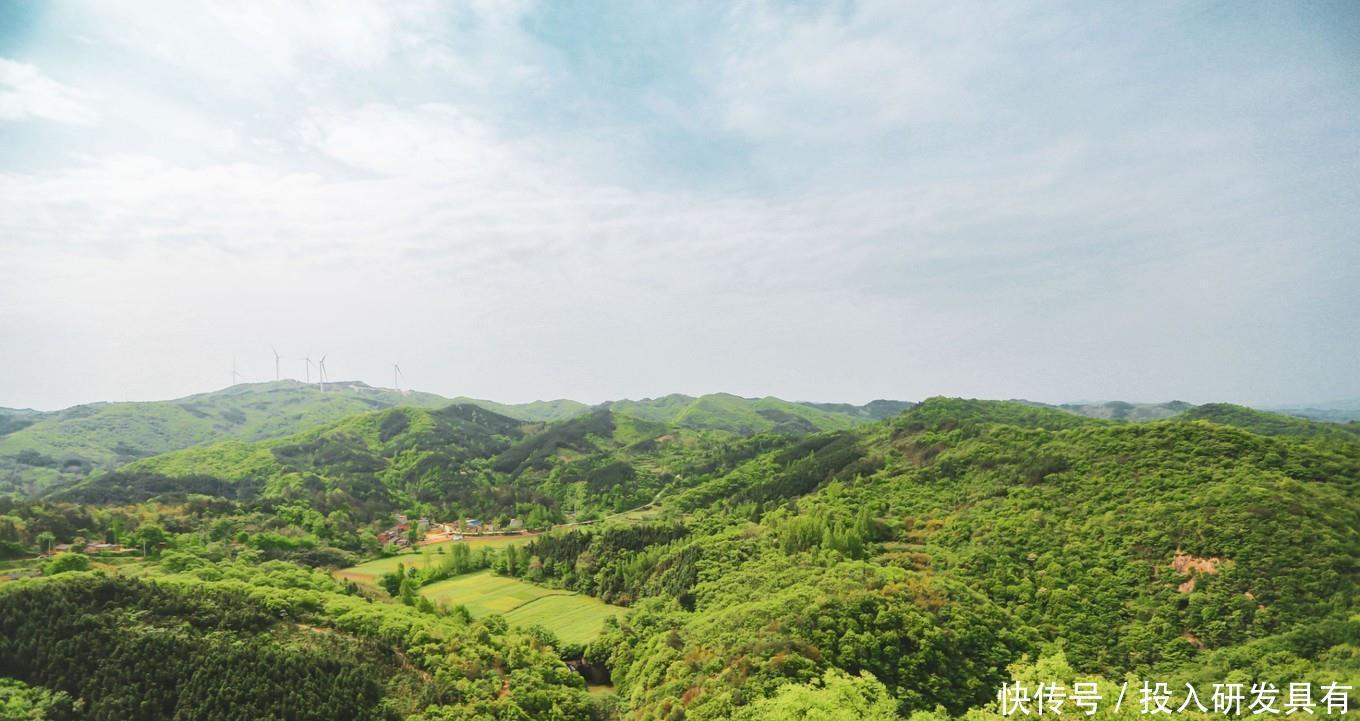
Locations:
{"points": [[42, 450]]}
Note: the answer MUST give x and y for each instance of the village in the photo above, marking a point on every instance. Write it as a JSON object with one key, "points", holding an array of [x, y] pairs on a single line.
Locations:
{"points": [[93, 549], [424, 531], [403, 535]]}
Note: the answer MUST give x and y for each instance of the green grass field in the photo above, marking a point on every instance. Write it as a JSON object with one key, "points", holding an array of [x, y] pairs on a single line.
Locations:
{"points": [[636, 516], [574, 618], [368, 573]]}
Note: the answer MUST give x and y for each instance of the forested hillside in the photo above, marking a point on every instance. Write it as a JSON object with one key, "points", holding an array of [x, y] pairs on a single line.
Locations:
{"points": [[724, 411], [335, 487], [46, 450], [997, 530], [1273, 424], [235, 641], [42, 452], [909, 565]]}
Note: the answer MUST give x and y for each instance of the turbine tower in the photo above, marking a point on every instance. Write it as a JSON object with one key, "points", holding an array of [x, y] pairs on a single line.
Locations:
{"points": [[397, 376], [308, 360], [321, 372], [276, 362], [235, 377]]}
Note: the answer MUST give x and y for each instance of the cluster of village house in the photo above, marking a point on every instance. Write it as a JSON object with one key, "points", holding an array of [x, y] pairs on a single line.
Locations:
{"points": [[399, 535], [93, 549]]}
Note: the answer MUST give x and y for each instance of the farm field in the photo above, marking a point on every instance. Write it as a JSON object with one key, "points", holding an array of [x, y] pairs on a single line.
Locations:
{"points": [[367, 573], [574, 618], [637, 515]]}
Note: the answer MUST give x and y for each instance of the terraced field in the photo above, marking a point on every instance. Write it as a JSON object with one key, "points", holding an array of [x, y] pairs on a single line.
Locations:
{"points": [[574, 618]]}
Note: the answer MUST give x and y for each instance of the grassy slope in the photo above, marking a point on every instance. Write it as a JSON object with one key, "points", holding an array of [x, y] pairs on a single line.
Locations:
{"points": [[572, 618]]}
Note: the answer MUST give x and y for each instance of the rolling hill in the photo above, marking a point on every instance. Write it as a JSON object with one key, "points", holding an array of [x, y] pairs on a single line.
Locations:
{"points": [[745, 416], [937, 548], [873, 410], [1124, 411], [941, 551], [454, 460], [53, 449], [44, 451], [1335, 411], [1272, 424], [558, 410]]}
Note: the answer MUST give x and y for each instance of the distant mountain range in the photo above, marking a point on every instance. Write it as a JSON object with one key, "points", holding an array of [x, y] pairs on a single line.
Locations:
{"points": [[1122, 411], [41, 451], [1335, 411]]}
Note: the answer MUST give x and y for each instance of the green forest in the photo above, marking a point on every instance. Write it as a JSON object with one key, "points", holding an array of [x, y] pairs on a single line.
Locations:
{"points": [[743, 559]]}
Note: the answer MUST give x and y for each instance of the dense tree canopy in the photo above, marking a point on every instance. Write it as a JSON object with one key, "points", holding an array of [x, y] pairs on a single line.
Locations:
{"points": [[901, 569]]}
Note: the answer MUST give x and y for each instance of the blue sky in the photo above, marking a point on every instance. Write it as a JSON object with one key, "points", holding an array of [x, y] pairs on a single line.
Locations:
{"points": [[823, 201]]}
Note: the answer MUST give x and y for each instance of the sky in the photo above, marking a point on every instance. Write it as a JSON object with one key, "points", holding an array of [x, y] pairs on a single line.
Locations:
{"points": [[831, 201]]}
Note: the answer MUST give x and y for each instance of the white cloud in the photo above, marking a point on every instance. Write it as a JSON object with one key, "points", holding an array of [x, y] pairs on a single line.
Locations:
{"points": [[841, 72], [247, 47], [423, 175], [432, 141], [25, 92]]}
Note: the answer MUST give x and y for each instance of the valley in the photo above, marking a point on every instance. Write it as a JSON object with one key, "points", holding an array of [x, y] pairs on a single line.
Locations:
{"points": [[699, 560]]}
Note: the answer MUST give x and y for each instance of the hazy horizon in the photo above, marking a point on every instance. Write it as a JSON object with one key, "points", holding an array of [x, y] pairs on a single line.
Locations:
{"points": [[1316, 404], [835, 203]]}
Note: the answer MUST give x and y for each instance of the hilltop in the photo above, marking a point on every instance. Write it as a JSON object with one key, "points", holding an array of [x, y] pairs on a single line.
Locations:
{"points": [[746, 416], [43, 451], [1347, 411], [1124, 411], [557, 410], [1272, 424], [455, 460]]}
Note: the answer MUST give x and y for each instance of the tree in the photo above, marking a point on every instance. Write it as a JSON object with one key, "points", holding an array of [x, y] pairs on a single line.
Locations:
{"points": [[391, 581], [406, 591], [21, 702], [837, 696], [150, 537], [45, 541], [67, 562]]}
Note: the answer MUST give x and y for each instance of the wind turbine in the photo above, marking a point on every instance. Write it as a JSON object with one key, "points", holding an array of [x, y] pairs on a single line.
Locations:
{"points": [[308, 359], [321, 372], [234, 375], [276, 361], [397, 376]]}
